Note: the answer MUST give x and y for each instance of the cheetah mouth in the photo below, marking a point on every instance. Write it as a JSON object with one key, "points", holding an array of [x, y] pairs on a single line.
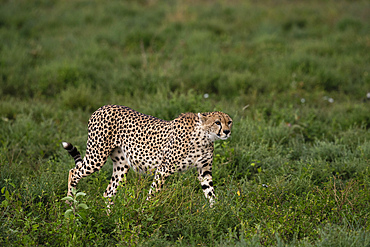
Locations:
{"points": [[223, 137], [215, 136]]}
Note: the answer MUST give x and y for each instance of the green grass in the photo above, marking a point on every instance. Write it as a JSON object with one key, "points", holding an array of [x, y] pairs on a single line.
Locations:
{"points": [[293, 75]]}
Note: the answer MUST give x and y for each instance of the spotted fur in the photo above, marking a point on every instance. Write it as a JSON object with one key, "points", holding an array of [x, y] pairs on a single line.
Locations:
{"points": [[145, 143]]}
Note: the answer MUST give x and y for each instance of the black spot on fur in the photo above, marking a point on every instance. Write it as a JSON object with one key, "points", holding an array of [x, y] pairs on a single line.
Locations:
{"points": [[206, 173]]}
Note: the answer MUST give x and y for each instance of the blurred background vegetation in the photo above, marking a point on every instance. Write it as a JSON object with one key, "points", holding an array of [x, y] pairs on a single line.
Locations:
{"points": [[294, 75]]}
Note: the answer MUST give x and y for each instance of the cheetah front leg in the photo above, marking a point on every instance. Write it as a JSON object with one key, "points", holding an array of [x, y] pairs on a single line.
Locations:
{"points": [[163, 170], [160, 176], [205, 178]]}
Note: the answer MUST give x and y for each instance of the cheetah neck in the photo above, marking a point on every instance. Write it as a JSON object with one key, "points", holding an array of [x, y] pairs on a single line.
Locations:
{"points": [[205, 137]]}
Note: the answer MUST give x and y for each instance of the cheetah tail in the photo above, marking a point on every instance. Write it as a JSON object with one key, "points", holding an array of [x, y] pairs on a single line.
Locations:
{"points": [[72, 151]]}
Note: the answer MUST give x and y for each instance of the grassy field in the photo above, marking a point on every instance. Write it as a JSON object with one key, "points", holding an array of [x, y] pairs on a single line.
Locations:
{"points": [[294, 75]]}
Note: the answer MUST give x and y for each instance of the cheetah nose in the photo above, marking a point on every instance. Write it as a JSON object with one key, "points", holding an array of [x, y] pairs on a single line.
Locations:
{"points": [[226, 132]]}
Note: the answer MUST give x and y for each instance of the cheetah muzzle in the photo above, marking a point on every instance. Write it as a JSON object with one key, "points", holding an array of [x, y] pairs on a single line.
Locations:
{"points": [[146, 143]]}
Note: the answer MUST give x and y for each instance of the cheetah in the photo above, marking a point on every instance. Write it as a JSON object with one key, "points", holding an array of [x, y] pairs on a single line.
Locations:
{"points": [[145, 143]]}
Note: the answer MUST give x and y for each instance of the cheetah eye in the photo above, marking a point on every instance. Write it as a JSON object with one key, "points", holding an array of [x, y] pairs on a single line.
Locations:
{"points": [[218, 122], [229, 122]]}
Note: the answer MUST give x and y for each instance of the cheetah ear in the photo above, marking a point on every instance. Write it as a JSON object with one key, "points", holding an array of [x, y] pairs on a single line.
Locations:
{"points": [[202, 117]]}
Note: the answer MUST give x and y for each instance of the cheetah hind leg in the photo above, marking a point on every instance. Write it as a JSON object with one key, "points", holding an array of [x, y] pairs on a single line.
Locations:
{"points": [[85, 166], [120, 169], [76, 155]]}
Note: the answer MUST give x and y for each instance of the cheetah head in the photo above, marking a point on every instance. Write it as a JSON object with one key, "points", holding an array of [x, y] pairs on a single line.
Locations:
{"points": [[216, 124]]}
